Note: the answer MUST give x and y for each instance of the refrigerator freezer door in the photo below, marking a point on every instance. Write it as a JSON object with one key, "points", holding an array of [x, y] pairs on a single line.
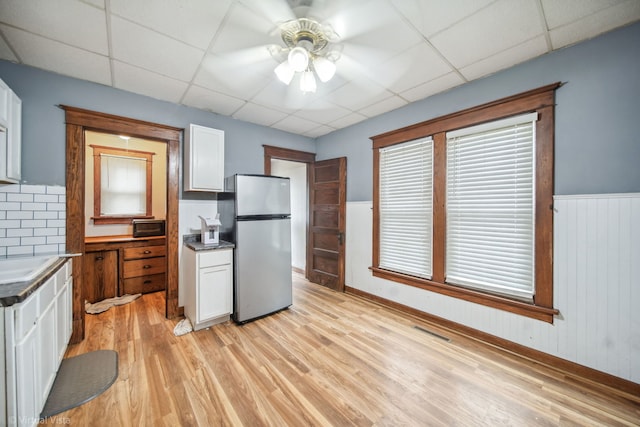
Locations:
{"points": [[262, 268], [262, 195]]}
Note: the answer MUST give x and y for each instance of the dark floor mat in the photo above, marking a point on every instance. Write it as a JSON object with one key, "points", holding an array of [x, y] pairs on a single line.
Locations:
{"points": [[80, 379]]}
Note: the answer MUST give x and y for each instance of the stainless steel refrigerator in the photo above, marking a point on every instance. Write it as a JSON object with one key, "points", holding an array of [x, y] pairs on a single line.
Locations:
{"points": [[255, 212]]}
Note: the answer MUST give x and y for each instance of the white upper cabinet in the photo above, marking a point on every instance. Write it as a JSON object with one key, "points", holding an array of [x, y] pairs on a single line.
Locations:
{"points": [[204, 159], [10, 135]]}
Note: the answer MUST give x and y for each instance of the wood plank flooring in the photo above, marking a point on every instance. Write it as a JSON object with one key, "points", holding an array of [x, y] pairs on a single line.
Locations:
{"points": [[329, 360]]}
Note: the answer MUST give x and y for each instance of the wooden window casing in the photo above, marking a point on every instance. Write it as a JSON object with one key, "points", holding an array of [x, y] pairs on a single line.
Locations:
{"points": [[540, 100], [98, 217]]}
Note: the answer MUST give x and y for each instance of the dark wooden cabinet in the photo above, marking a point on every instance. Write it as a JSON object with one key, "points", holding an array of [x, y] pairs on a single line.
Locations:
{"points": [[119, 265], [101, 275]]}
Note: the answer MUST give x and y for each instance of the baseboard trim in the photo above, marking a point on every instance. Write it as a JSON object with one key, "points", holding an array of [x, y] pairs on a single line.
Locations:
{"points": [[298, 270], [582, 373]]}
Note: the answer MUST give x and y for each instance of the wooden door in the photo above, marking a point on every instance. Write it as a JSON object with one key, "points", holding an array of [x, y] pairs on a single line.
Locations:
{"points": [[327, 223]]}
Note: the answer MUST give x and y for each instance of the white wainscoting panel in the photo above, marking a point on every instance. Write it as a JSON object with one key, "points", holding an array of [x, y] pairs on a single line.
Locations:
{"points": [[596, 285]]}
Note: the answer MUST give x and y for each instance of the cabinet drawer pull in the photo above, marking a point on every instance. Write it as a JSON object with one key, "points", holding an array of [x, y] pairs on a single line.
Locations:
{"points": [[146, 266], [146, 282], [147, 252], [99, 258]]}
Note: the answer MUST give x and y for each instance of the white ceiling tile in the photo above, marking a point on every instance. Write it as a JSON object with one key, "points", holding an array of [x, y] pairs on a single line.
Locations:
{"points": [[383, 106], [432, 16], [58, 57], [285, 98], [322, 111], [359, 94], [145, 82], [245, 29], [205, 99], [255, 113], [558, 13], [498, 27], [193, 22], [348, 120], [68, 21], [295, 124], [319, 131], [595, 24], [148, 49], [5, 50], [224, 75], [515, 55], [432, 87], [411, 68]]}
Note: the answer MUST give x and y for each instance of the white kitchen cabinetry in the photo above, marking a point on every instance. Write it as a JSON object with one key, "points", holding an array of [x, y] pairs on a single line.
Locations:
{"points": [[208, 286], [10, 135], [36, 331], [204, 159]]}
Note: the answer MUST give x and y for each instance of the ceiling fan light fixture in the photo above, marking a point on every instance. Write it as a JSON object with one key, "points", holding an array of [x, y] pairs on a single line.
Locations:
{"points": [[311, 48], [325, 69], [307, 82], [298, 59], [284, 72]]}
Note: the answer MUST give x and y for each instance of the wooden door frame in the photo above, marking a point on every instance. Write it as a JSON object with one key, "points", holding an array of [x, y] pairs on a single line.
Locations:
{"points": [[279, 153], [77, 121]]}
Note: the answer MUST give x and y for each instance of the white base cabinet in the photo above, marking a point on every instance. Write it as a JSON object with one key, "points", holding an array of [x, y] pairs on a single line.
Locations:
{"points": [[36, 333], [208, 286]]}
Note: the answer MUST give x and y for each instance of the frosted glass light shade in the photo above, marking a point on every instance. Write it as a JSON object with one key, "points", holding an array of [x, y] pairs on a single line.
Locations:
{"points": [[325, 69], [298, 59], [307, 82], [284, 72]]}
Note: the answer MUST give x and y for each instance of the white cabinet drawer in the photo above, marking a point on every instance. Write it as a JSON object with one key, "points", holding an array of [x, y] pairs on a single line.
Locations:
{"points": [[215, 257], [47, 294]]}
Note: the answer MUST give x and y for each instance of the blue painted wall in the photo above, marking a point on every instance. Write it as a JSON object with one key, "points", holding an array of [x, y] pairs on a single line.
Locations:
{"points": [[43, 130], [597, 116]]}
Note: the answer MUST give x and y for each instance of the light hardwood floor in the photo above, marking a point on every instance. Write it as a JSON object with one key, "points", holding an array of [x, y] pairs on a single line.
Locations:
{"points": [[329, 360]]}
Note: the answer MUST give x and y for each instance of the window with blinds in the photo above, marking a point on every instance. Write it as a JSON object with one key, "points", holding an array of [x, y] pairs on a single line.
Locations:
{"points": [[490, 207], [123, 185], [405, 207]]}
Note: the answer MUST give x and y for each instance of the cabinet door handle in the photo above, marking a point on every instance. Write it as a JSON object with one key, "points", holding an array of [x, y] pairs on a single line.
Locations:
{"points": [[99, 258], [146, 266], [146, 282], [146, 252]]}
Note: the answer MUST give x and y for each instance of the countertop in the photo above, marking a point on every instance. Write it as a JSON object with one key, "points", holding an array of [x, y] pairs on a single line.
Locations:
{"points": [[16, 292], [192, 241], [120, 238]]}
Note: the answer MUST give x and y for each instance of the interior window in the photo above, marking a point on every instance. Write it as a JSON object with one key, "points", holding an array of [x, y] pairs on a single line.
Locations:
{"points": [[122, 184]]}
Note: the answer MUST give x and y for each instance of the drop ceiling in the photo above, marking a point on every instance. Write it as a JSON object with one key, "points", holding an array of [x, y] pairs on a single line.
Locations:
{"points": [[213, 54]]}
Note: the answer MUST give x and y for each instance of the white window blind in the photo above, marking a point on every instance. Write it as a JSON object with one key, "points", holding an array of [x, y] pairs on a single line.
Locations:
{"points": [[490, 207], [405, 195], [123, 185]]}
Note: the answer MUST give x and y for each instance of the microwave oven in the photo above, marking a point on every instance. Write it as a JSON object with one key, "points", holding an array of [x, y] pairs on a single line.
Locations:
{"points": [[148, 227]]}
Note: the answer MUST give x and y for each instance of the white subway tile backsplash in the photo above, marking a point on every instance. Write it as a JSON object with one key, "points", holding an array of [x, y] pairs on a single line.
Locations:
{"points": [[10, 206], [34, 206], [56, 206], [26, 241], [20, 250], [32, 219], [19, 197], [33, 189], [47, 215], [19, 232], [56, 190], [19, 215], [47, 198], [34, 223]]}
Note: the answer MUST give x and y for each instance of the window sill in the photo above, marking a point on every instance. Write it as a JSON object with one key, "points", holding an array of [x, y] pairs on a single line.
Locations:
{"points": [[533, 311], [99, 220]]}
